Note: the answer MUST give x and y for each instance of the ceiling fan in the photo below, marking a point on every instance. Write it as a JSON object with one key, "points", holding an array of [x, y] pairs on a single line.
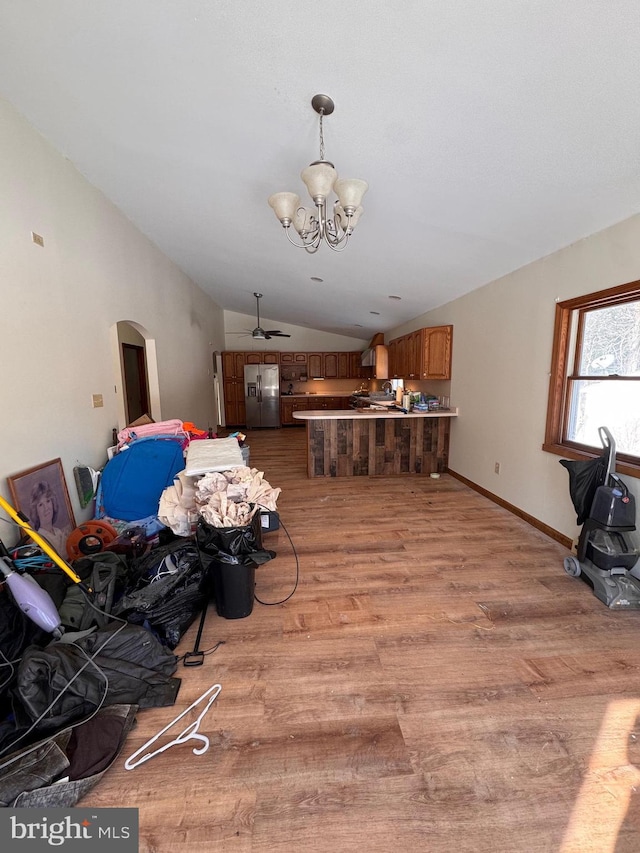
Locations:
{"points": [[260, 334]]}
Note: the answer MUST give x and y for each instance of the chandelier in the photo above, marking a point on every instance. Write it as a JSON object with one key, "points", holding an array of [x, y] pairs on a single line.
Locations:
{"points": [[316, 225]]}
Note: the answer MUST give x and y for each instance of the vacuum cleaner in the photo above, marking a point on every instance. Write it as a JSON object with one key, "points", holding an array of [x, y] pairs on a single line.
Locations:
{"points": [[607, 552], [34, 601]]}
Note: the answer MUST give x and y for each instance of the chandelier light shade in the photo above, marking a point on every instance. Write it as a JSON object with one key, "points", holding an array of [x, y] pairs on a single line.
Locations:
{"points": [[316, 225]]}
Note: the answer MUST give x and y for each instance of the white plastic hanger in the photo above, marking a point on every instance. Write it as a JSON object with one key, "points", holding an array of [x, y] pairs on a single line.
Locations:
{"points": [[190, 733]]}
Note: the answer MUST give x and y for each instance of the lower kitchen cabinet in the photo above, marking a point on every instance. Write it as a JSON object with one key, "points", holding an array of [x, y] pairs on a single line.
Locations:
{"points": [[288, 407], [315, 402]]}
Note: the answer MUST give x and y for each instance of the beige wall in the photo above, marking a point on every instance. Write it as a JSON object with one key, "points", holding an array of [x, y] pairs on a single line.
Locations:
{"points": [[60, 304], [502, 340]]}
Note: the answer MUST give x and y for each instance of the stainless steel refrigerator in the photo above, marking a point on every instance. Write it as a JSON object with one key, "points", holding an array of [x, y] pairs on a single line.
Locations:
{"points": [[262, 395]]}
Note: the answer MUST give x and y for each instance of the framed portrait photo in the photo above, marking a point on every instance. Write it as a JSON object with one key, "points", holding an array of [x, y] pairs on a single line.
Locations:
{"points": [[41, 494]]}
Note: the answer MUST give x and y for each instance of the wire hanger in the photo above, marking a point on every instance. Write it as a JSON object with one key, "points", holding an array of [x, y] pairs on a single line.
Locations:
{"points": [[190, 733]]}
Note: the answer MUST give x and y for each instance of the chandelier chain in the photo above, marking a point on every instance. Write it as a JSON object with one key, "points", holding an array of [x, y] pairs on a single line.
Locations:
{"points": [[321, 136]]}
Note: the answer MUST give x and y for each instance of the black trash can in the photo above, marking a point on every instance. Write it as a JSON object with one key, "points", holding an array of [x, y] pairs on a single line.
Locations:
{"points": [[226, 552], [233, 581]]}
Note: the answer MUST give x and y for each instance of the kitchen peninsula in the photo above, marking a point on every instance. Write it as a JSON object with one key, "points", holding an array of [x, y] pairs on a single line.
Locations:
{"points": [[382, 442]]}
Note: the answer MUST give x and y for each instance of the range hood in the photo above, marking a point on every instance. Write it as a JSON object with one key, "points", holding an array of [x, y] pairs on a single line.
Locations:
{"points": [[377, 356], [368, 358]]}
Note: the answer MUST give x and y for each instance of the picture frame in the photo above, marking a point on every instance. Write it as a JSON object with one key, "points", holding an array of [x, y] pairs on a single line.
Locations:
{"points": [[40, 493]]}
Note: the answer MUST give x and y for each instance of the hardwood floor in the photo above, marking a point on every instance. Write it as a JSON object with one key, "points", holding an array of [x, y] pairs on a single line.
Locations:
{"points": [[436, 683]]}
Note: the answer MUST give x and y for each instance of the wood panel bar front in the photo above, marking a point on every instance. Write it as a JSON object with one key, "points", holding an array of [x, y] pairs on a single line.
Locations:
{"points": [[365, 446]]}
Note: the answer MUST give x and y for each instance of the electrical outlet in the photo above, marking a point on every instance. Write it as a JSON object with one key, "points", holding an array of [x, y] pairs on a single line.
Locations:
{"points": [[496, 467], [96, 401], [37, 239]]}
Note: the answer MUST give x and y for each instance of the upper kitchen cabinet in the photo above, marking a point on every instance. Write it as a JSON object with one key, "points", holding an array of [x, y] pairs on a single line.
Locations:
{"points": [[262, 358], [343, 365], [356, 368], [294, 358], [437, 352], [233, 365], [315, 364], [422, 354], [398, 358], [330, 365]]}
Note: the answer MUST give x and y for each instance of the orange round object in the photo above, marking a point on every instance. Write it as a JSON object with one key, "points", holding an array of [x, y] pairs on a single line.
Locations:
{"points": [[90, 538]]}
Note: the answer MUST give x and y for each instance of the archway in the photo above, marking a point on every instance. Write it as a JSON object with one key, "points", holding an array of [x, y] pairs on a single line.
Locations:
{"points": [[135, 371]]}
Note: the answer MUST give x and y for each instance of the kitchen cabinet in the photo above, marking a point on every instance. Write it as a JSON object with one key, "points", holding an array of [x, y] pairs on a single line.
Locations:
{"points": [[327, 403], [401, 357], [233, 385], [233, 361], [330, 365], [343, 365], [313, 402], [233, 365], [356, 370], [413, 349], [294, 365], [422, 354], [262, 358], [437, 352], [393, 358], [288, 407], [315, 366], [234, 408], [293, 358]]}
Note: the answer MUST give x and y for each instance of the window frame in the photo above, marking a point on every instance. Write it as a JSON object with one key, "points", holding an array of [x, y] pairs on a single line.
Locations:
{"points": [[564, 360]]}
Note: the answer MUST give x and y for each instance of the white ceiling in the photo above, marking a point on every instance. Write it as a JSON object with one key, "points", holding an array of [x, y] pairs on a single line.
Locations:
{"points": [[491, 132]]}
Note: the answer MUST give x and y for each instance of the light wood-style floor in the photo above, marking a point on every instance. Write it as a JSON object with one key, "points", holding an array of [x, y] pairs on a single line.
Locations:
{"points": [[436, 683]]}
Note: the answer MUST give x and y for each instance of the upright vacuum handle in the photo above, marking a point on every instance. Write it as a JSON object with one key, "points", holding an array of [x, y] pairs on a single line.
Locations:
{"points": [[609, 444]]}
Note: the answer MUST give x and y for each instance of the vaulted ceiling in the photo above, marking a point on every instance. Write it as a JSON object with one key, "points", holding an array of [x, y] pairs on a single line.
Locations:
{"points": [[491, 134]]}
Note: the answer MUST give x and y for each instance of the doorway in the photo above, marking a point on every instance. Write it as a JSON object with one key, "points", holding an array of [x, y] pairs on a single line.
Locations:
{"points": [[136, 383], [136, 392]]}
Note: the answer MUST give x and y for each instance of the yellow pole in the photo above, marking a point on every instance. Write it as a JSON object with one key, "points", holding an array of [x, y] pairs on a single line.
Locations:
{"points": [[23, 521]]}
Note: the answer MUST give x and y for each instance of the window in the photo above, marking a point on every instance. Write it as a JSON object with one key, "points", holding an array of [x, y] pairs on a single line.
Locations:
{"points": [[595, 376]]}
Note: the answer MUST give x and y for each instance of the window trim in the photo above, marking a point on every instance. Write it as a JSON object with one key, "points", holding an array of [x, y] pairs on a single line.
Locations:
{"points": [[561, 370]]}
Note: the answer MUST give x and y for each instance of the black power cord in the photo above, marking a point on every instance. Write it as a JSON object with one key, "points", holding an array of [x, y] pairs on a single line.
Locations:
{"points": [[295, 586]]}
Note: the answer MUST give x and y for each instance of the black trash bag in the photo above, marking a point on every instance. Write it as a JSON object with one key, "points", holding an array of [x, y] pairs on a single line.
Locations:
{"points": [[170, 594], [244, 539], [585, 476]]}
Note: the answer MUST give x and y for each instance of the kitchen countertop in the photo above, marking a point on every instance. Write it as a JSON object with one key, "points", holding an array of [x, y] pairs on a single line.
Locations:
{"points": [[317, 394], [358, 414]]}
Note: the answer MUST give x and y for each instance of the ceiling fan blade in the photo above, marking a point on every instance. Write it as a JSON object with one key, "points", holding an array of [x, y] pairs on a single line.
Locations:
{"points": [[276, 333]]}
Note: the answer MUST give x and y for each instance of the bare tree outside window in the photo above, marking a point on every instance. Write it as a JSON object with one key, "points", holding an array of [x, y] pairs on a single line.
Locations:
{"points": [[599, 385], [609, 346]]}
